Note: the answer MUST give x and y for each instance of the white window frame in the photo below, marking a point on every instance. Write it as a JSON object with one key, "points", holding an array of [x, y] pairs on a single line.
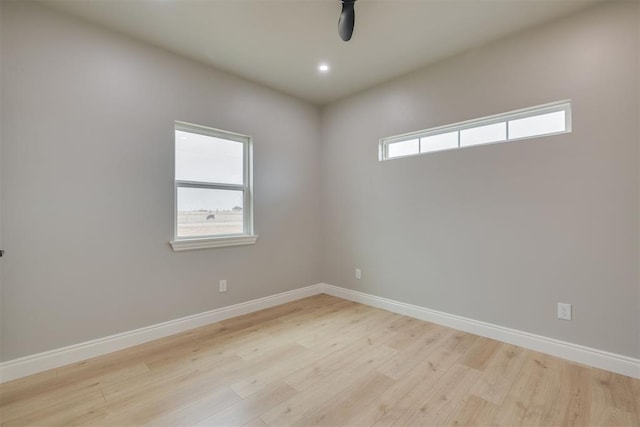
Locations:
{"points": [[215, 241], [565, 105]]}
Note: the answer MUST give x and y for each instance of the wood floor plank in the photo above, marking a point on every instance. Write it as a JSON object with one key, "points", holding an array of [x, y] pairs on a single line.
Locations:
{"points": [[165, 378], [45, 389], [411, 332], [256, 422], [500, 373], [393, 402], [428, 402], [182, 404], [341, 327], [360, 352], [278, 371], [405, 361], [460, 342], [480, 353], [214, 350], [446, 399], [59, 390], [348, 327], [614, 390], [613, 399], [322, 388], [62, 412], [216, 372], [323, 361], [535, 371], [471, 411], [343, 407], [571, 405], [318, 309], [546, 394], [227, 341], [246, 410], [301, 324], [197, 410], [259, 317], [12, 390], [634, 386]]}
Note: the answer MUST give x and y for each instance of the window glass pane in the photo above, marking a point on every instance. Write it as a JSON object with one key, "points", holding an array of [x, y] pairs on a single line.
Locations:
{"points": [[403, 148], [483, 134], [205, 158], [537, 125], [444, 141], [209, 212]]}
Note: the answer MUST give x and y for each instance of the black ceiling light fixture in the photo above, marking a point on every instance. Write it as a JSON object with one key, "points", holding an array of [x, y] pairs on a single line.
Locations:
{"points": [[347, 20]]}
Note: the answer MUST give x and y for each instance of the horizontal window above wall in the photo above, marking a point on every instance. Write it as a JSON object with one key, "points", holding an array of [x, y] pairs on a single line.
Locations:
{"points": [[542, 120]]}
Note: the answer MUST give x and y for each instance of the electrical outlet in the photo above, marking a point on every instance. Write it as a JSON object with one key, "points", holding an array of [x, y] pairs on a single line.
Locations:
{"points": [[358, 274], [564, 311], [223, 286]]}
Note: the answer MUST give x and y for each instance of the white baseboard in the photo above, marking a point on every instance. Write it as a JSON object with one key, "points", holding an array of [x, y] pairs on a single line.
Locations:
{"points": [[577, 353], [28, 365]]}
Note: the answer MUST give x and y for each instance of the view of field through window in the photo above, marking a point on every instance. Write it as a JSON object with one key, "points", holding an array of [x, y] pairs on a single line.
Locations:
{"points": [[207, 212]]}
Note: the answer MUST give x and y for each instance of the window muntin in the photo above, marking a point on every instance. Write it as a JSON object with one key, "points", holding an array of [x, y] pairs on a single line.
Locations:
{"points": [[543, 120], [213, 194]]}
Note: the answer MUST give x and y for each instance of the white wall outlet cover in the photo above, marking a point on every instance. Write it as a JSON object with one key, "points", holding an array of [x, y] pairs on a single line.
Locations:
{"points": [[358, 273], [564, 311], [223, 286]]}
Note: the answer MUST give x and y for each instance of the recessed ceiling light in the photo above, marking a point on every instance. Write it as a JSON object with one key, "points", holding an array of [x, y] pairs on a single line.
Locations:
{"points": [[323, 68]]}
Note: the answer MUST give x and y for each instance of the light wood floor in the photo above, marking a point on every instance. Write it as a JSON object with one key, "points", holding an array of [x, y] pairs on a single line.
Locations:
{"points": [[323, 361]]}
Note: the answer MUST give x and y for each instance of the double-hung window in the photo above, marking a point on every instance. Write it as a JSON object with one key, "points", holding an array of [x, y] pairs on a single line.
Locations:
{"points": [[213, 191]]}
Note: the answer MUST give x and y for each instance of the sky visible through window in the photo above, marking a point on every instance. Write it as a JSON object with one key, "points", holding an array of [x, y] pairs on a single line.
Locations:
{"points": [[204, 158]]}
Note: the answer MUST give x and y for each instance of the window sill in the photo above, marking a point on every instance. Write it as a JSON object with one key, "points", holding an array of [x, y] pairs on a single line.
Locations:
{"points": [[212, 242]]}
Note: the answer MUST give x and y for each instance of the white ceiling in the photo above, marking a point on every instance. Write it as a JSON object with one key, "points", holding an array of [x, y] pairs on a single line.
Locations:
{"points": [[280, 43]]}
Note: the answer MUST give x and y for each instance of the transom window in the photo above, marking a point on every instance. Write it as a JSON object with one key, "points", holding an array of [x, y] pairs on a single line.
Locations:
{"points": [[543, 120], [213, 192]]}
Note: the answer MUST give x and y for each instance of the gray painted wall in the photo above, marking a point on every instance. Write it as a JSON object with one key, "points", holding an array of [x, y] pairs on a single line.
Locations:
{"points": [[500, 233], [87, 184]]}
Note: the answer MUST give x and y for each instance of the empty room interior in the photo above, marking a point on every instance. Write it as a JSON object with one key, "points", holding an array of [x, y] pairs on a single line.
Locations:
{"points": [[336, 213]]}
